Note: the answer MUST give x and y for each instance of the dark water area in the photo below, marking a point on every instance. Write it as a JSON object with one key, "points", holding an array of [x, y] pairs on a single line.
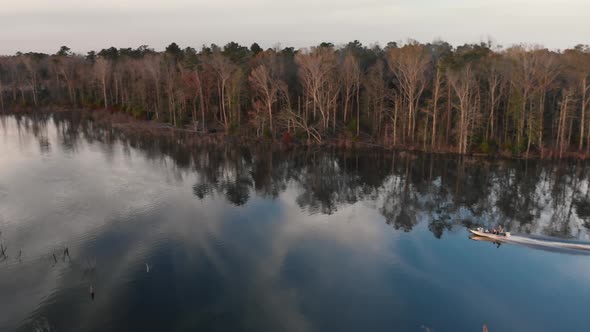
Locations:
{"points": [[173, 236]]}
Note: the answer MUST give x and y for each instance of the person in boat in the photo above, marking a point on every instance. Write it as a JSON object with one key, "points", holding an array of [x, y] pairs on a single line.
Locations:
{"points": [[500, 230]]}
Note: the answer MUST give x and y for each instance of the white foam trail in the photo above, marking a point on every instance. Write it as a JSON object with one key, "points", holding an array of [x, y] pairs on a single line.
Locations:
{"points": [[547, 243], [538, 243]]}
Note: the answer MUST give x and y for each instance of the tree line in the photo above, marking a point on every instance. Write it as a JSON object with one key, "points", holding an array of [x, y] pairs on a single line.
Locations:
{"points": [[522, 100]]}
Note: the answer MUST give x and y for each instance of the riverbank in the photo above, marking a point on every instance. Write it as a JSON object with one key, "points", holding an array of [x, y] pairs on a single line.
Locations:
{"points": [[130, 124]]}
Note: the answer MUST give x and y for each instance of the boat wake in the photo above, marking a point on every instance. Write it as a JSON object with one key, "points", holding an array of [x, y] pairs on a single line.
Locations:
{"points": [[553, 245]]}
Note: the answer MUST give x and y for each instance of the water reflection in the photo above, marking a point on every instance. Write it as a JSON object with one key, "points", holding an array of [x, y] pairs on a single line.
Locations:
{"points": [[525, 196], [264, 239]]}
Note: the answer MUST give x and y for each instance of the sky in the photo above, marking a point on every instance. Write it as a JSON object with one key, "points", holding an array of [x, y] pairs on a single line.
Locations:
{"points": [[45, 25]]}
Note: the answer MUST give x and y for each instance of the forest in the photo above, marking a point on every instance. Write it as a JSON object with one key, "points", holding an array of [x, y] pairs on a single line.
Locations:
{"points": [[519, 101]]}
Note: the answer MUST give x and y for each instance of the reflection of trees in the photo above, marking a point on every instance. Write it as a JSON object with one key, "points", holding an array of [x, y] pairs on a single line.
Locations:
{"points": [[445, 192], [565, 187], [400, 200], [582, 204], [69, 129], [324, 184], [518, 199]]}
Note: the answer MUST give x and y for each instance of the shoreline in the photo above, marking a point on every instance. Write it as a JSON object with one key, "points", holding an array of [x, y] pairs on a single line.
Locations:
{"points": [[130, 124]]}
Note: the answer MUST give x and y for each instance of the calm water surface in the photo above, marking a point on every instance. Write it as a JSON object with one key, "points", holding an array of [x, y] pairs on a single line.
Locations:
{"points": [[255, 240]]}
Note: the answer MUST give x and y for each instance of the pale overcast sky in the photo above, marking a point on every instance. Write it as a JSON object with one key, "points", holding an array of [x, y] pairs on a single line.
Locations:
{"points": [[44, 25]]}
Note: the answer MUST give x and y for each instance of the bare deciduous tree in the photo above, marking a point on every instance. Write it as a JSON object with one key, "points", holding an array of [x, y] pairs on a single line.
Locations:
{"points": [[224, 69], [351, 81], [463, 83], [101, 71], [267, 88], [316, 72], [409, 65]]}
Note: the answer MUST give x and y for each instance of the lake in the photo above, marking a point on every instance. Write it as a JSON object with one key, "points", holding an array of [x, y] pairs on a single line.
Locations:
{"points": [[172, 235]]}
